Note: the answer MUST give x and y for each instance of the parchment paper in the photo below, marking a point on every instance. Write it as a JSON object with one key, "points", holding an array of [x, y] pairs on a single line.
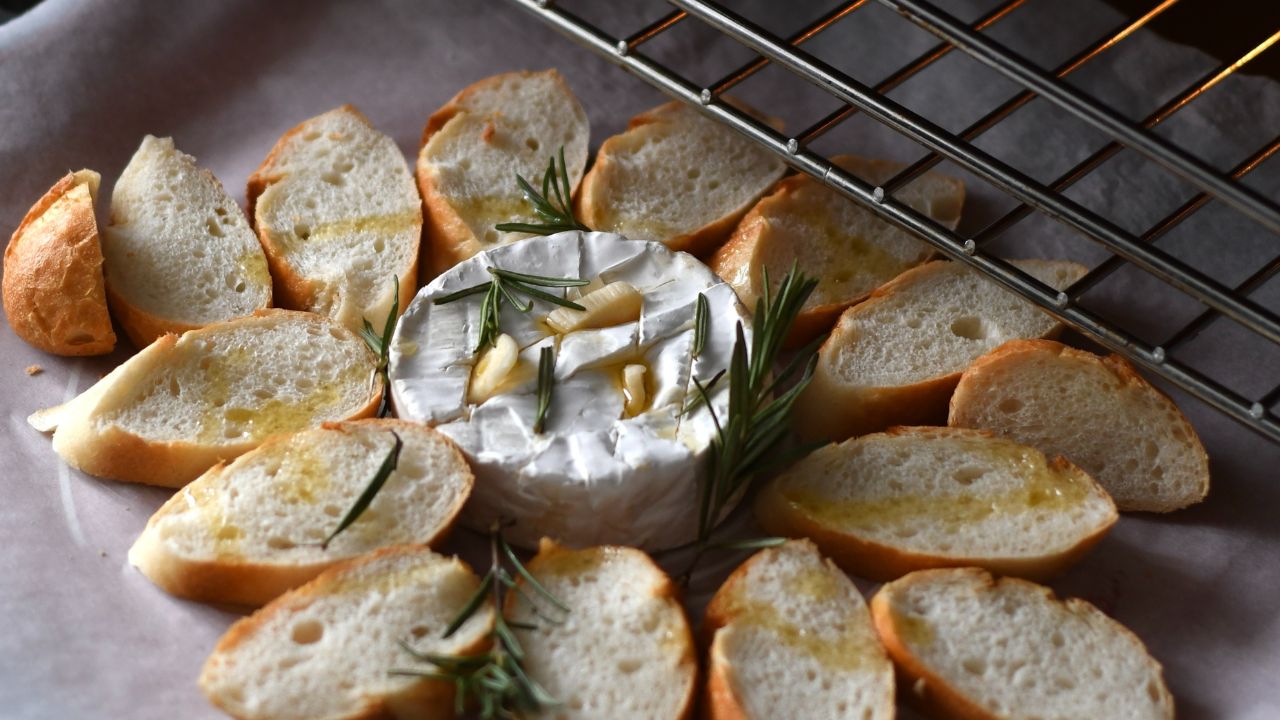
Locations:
{"points": [[87, 636]]}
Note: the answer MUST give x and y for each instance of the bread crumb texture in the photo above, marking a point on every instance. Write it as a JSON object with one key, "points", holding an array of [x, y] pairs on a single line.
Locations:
{"points": [[797, 640], [325, 649], [1009, 649], [624, 650]]}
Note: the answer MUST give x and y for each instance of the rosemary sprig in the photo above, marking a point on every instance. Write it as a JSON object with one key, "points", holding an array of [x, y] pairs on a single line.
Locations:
{"points": [[495, 681], [381, 346], [370, 491], [507, 285], [757, 422], [546, 380], [556, 216]]}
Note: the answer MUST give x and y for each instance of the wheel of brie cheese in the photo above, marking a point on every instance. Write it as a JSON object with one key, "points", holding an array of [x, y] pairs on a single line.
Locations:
{"points": [[620, 458]]}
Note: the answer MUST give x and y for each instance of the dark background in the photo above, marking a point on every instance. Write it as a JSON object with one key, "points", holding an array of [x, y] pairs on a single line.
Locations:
{"points": [[1223, 28]]}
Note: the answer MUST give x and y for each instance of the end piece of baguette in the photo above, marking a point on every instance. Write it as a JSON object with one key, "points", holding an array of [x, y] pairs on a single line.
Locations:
{"points": [[179, 252], [473, 148], [624, 650], [791, 638], [1097, 411], [54, 295], [885, 504], [185, 403], [830, 237], [246, 532], [325, 650], [970, 646], [894, 359], [677, 178], [338, 216]]}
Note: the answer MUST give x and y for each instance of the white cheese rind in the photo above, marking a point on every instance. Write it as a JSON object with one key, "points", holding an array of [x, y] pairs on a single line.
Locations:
{"points": [[594, 476]]}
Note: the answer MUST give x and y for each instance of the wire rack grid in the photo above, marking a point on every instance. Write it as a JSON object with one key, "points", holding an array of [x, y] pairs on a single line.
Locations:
{"points": [[1140, 250]]}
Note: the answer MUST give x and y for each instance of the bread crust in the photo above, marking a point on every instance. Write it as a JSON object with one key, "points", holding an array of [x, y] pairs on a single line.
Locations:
{"points": [[290, 289], [53, 288], [231, 579], [591, 202], [112, 453], [447, 239], [877, 561], [427, 700], [989, 365], [735, 262], [829, 409], [929, 691]]}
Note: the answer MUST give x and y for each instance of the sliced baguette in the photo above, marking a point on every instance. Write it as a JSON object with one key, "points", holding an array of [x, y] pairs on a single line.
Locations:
{"points": [[324, 651], [832, 238], [246, 532], [179, 253], [1097, 411], [623, 651], [677, 178], [473, 148], [894, 359], [54, 296], [885, 504], [970, 646], [791, 638], [187, 402], [338, 216]]}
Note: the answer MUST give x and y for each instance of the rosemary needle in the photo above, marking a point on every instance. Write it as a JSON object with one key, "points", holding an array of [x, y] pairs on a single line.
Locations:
{"points": [[700, 324], [556, 215], [546, 379], [371, 490], [507, 285], [381, 345], [758, 419], [494, 682]]}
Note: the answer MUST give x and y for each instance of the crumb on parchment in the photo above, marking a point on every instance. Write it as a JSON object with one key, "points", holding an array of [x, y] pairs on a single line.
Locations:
{"points": [[34, 370]]}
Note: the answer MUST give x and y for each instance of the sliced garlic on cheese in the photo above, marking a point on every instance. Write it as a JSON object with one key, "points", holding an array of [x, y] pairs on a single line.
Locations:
{"points": [[494, 366], [616, 303], [637, 398]]}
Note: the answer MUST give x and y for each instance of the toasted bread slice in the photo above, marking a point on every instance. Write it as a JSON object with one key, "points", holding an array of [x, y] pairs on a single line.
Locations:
{"points": [[246, 532], [677, 178], [473, 148], [1099, 412], [969, 646], [54, 297], [894, 359], [623, 651], [830, 237], [179, 253], [791, 638], [885, 504], [336, 211], [186, 402], [325, 650]]}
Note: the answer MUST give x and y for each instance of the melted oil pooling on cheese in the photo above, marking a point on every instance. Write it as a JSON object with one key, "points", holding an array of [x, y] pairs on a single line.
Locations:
{"points": [[1043, 490]]}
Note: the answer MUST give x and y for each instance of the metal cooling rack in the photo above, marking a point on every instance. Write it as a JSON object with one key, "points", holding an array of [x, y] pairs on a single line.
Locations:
{"points": [[1140, 250]]}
